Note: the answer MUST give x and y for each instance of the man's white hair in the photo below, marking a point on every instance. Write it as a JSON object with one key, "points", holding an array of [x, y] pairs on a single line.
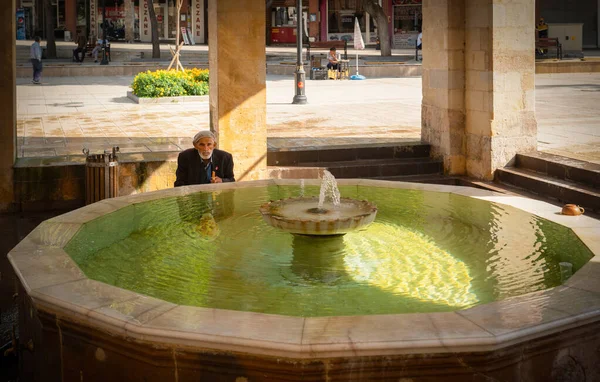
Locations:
{"points": [[204, 134]]}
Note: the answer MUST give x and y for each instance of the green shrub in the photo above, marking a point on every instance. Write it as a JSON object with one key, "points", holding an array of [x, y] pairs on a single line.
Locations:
{"points": [[170, 83]]}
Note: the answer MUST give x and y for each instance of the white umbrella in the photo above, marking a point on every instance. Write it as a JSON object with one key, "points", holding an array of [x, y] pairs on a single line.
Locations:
{"points": [[359, 44]]}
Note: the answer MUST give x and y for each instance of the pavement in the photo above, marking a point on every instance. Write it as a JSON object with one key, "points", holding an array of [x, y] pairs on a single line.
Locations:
{"points": [[274, 51], [66, 114]]}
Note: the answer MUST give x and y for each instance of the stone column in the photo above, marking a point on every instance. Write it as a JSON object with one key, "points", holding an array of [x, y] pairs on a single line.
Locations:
{"points": [[71, 18], [443, 107], [237, 64], [129, 20], [313, 26], [500, 83], [8, 100], [478, 83]]}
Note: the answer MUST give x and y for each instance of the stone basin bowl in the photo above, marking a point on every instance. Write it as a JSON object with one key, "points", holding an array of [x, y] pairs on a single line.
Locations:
{"points": [[82, 329], [301, 215]]}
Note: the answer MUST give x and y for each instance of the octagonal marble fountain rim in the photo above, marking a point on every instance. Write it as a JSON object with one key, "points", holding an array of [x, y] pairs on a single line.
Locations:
{"points": [[58, 286]]}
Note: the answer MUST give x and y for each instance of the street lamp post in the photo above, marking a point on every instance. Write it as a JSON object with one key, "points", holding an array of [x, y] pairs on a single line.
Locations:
{"points": [[300, 75], [104, 55]]}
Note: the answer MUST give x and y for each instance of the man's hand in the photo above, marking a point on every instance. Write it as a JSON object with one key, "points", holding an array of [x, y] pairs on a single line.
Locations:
{"points": [[216, 179]]}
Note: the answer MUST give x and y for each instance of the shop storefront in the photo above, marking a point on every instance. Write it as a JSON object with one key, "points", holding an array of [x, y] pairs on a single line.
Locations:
{"points": [[162, 18], [116, 19], [408, 19], [340, 21], [283, 21], [193, 15]]}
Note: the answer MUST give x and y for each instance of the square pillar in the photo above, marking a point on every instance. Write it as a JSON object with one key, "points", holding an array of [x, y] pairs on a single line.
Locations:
{"points": [[313, 26], [71, 18], [478, 83], [237, 63], [8, 100], [443, 106], [500, 79]]}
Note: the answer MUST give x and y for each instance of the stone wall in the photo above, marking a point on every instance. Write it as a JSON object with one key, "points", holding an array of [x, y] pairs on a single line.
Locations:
{"points": [[58, 187]]}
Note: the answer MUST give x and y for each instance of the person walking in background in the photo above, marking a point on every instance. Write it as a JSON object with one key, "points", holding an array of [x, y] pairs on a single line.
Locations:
{"points": [[35, 54], [419, 45]]}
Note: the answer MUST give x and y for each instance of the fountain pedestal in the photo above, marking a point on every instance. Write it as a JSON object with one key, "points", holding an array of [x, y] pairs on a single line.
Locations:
{"points": [[303, 215]]}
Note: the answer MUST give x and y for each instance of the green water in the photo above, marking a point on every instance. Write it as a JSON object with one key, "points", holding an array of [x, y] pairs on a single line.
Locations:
{"points": [[425, 252]]}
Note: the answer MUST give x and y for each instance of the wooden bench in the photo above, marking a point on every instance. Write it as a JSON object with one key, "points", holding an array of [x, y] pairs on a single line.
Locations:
{"points": [[549, 42], [326, 45], [92, 45]]}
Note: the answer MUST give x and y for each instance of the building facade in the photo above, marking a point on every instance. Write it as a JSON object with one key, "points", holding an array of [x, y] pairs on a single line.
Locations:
{"points": [[325, 20], [584, 12], [125, 19]]}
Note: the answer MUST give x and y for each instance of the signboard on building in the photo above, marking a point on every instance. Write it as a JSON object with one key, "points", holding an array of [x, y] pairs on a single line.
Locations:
{"points": [[145, 32], [186, 40], [405, 40], [198, 20], [190, 36], [94, 18], [20, 24]]}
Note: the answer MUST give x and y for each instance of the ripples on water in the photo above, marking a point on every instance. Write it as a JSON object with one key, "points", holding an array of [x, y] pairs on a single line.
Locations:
{"points": [[425, 252]]}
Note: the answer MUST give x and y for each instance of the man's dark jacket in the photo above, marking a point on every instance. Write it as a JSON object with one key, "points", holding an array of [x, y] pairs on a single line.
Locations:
{"points": [[191, 170]]}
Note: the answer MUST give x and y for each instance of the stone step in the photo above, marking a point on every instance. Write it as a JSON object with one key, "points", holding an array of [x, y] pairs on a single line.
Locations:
{"points": [[562, 190], [377, 168], [560, 167], [436, 178], [392, 150]]}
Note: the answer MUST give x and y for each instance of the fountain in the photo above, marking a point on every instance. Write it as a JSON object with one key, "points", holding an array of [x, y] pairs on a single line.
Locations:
{"points": [[312, 216], [448, 281]]}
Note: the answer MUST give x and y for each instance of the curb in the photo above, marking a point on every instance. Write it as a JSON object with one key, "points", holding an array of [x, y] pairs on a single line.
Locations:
{"points": [[179, 99]]}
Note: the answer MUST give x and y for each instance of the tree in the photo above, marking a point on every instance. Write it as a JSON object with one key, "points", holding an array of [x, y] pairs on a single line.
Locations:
{"points": [[154, 30], [381, 20], [50, 11], [176, 54]]}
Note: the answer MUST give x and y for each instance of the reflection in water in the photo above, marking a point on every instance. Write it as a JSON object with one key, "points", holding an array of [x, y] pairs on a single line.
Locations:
{"points": [[318, 258], [205, 227], [413, 267], [509, 264]]}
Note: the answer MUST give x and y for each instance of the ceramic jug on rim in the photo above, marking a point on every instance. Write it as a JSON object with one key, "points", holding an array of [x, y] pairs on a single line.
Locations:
{"points": [[572, 210]]}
